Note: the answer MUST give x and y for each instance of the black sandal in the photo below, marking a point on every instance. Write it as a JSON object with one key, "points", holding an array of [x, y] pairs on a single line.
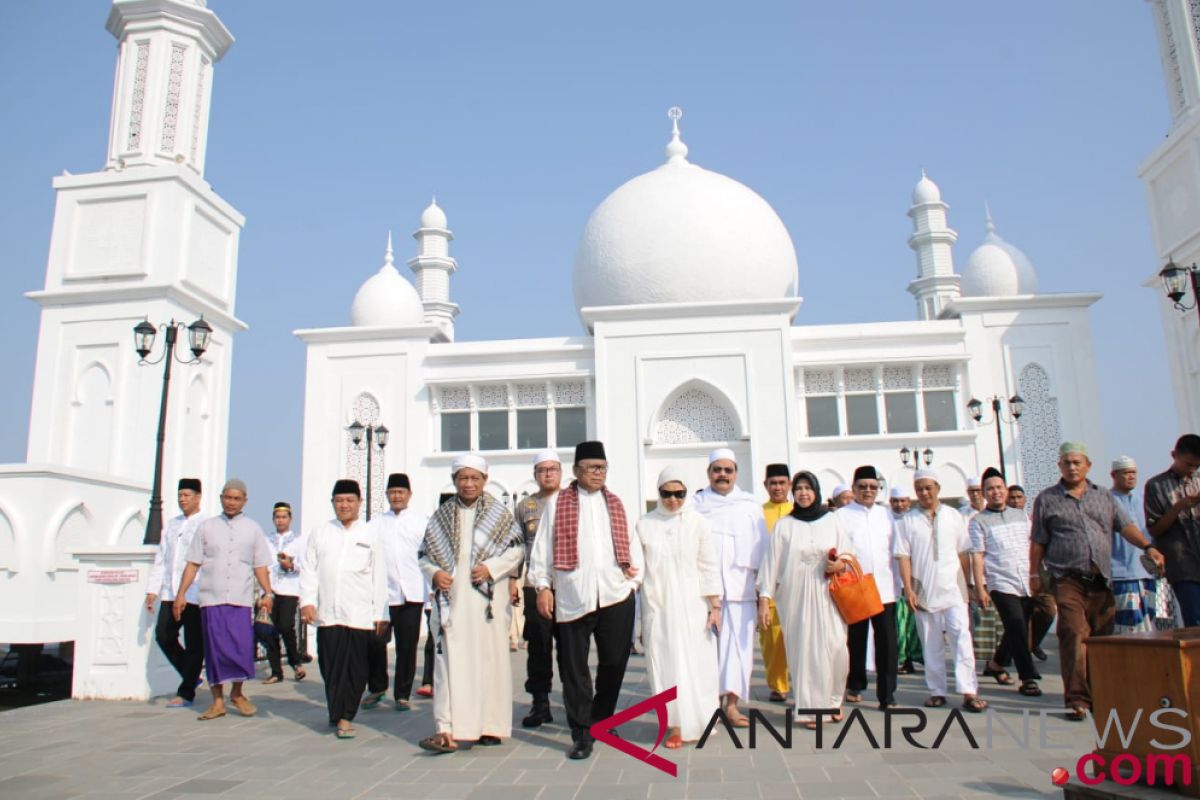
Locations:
{"points": [[1001, 675], [935, 701], [974, 704], [1030, 689], [436, 744]]}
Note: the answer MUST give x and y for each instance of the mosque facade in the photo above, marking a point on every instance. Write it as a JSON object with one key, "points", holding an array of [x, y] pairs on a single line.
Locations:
{"points": [[689, 294]]}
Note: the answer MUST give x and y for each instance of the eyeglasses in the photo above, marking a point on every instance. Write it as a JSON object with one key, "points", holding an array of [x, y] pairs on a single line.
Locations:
{"points": [[723, 470], [595, 469], [672, 494], [547, 470], [867, 487]]}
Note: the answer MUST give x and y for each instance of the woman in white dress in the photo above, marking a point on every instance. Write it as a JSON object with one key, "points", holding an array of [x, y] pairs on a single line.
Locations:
{"points": [[795, 574], [681, 608]]}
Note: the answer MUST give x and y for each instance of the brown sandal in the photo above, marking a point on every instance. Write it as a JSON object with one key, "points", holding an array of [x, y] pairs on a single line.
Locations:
{"points": [[211, 713], [439, 744], [974, 704], [935, 701]]}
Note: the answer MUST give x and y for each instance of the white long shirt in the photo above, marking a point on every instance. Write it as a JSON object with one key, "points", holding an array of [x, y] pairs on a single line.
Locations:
{"points": [[871, 533], [344, 575], [739, 537], [402, 535], [936, 567], [598, 582], [171, 558], [291, 544]]}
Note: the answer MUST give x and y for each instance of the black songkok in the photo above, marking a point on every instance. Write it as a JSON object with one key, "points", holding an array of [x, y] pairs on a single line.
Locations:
{"points": [[990, 472], [778, 471], [192, 484], [586, 450], [398, 480], [346, 486], [865, 473]]}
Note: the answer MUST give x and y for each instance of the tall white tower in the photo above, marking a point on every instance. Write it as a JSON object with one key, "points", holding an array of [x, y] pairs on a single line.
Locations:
{"points": [[935, 284], [1171, 175], [145, 238], [433, 267]]}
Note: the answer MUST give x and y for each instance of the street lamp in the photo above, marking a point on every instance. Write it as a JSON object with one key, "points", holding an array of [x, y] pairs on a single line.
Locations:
{"points": [[1176, 279], [1016, 407], [377, 435], [917, 457], [199, 332]]}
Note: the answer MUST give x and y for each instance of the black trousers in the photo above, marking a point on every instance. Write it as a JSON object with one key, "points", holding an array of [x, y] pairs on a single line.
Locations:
{"points": [[612, 627], [406, 629], [1015, 612], [427, 670], [283, 617], [887, 651], [188, 660], [539, 637], [342, 656]]}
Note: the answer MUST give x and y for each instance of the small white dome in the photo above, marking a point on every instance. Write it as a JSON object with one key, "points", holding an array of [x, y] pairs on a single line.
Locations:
{"points": [[926, 191], [987, 274], [433, 216], [681, 234], [386, 300]]}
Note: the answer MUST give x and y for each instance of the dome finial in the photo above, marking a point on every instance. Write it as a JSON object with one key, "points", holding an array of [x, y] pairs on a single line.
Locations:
{"points": [[389, 258], [989, 225], [676, 150]]}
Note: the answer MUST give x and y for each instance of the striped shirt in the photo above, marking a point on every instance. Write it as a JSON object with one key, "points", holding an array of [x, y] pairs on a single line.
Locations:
{"points": [[1077, 532], [1003, 538]]}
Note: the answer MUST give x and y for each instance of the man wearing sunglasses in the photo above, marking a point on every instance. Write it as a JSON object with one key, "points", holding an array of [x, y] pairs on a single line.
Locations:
{"points": [[870, 527], [740, 539]]}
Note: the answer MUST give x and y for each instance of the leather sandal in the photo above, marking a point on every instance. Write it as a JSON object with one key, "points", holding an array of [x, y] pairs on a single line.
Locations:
{"points": [[935, 701], [1001, 675], [1076, 714], [439, 744], [212, 713], [673, 742], [1030, 689], [974, 704]]}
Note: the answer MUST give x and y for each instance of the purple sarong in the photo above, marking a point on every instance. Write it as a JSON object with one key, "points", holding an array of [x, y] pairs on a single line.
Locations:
{"points": [[228, 643]]}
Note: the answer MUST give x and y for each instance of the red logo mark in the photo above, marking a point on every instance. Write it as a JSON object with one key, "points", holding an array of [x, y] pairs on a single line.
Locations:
{"points": [[1060, 776], [657, 703]]}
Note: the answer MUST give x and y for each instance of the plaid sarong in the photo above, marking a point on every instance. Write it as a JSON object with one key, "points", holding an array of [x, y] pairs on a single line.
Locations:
{"points": [[566, 528], [1135, 601]]}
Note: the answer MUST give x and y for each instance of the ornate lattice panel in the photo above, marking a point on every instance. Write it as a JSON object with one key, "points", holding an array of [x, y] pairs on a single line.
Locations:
{"points": [[174, 87], [938, 376], [454, 398], [1040, 431], [198, 107], [860, 380], [694, 416], [366, 411], [897, 378], [570, 394], [531, 395], [139, 96], [493, 396], [819, 381]]}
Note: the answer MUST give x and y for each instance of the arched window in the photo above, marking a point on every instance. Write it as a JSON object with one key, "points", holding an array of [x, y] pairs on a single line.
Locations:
{"points": [[91, 420], [365, 409], [1041, 433], [693, 416]]}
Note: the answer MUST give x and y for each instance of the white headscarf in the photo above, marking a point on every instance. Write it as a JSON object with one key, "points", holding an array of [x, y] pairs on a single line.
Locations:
{"points": [[671, 474]]}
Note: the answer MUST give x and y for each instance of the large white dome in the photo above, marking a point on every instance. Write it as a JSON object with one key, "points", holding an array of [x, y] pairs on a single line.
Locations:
{"points": [[386, 300], [682, 234], [998, 269]]}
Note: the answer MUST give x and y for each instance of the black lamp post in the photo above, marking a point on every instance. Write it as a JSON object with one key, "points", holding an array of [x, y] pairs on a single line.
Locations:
{"points": [[1176, 280], [1016, 407], [916, 457], [376, 435], [199, 332]]}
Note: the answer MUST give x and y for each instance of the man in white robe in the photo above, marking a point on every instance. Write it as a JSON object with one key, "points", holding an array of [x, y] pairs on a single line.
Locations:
{"points": [[740, 539], [343, 591], [931, 547], [472, 545], [870, 527]]}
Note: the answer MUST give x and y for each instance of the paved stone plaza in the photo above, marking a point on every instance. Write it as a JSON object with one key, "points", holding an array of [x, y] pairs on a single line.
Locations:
{"points": [[138, 750]]}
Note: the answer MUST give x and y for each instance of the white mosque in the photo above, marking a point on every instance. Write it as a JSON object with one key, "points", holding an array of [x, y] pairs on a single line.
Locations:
{"points": [[692, 337]]}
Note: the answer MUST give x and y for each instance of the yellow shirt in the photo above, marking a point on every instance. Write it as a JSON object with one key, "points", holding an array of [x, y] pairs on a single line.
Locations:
{"points": [[772, 512]]}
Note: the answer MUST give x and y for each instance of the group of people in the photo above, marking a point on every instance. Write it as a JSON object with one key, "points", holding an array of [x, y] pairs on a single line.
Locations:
{"points": [[706, 569]]}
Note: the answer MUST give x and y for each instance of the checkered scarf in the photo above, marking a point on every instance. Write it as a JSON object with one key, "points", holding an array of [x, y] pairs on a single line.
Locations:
{"points": [[443, 540], [566, 528]]}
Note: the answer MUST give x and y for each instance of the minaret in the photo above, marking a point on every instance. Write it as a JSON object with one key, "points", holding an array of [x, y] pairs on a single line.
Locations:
{"points": [[164, 81], [936, 284], [144, 238], [1172, 182], [432, 267]]}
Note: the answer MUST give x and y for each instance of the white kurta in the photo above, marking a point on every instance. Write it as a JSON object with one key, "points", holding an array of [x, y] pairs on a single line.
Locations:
{"points": [[814, 633], [681, 571], [472, 673]]}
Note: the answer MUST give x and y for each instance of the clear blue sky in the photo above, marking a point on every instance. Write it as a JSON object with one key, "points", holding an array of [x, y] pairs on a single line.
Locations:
{"points": [[332, 123]]}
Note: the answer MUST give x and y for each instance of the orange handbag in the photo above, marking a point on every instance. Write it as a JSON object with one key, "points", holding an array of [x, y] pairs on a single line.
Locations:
{"points": [[855, 594]]}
